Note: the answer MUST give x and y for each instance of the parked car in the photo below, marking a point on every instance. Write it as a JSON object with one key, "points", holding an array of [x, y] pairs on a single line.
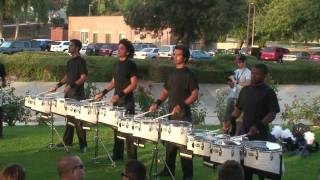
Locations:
{"points": [[146, 53], [107, 49], [10, 47], [166, 51], [233, 51], [252, 51], [115, 54], [93, 49], [213, 52], [60, 46], [45, 44], [273, 53], [296, 55], [315, 56], [200, 55], [2, 41], [139, 46], [83, 50]]}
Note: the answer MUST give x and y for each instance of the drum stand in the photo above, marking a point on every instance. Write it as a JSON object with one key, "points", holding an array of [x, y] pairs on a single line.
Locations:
{"points": [[153, 172], [98, 140], [53, 129]]}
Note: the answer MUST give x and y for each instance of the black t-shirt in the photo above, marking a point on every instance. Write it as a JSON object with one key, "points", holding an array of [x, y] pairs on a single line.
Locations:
{"points": [[75, 67], [256, 102], [2, 71], [180, 83], [122, 73]]}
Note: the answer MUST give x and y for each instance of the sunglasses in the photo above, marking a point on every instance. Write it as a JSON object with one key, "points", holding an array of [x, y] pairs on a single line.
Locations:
{"points": [[79, 166]]}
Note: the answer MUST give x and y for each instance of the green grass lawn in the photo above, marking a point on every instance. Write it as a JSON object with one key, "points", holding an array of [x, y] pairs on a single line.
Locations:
{"points": [[27, 145]]}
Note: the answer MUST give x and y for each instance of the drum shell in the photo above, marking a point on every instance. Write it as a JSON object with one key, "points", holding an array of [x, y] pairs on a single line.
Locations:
{"points": [[42, 104], [175, 132], [109, 116], [146, 129], [125, 125], [221, 153], [72, 109], [88, 114], [59, 106], [28, 100], [201, 147], [265, 160]]}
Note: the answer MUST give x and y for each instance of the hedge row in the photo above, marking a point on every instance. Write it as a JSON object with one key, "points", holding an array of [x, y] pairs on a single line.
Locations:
{"points": [[28, 66]]}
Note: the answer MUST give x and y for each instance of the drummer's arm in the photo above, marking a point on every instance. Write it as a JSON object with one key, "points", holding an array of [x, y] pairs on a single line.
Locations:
{"points": [[236, 112], [268, 118], [132, 86], [81, 80], [193, 97]]}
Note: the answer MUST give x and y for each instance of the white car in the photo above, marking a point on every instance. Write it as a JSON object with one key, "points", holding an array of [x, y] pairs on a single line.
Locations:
{"points": [[166, 51], [146, 53], [83, 50], [296, 55], [60, 46]]}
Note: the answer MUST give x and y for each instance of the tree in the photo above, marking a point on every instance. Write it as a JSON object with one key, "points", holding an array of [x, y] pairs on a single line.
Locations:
{"points": [[78, 7], [290, 20], [189, 20]]}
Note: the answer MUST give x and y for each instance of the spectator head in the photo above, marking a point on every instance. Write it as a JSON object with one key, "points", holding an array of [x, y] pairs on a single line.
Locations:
{"points": [[241, 60], [181, 54], [134, 170], [126, 49], [13, 172], [75, 46], [71, 168], [258, 74], [231, 170]]}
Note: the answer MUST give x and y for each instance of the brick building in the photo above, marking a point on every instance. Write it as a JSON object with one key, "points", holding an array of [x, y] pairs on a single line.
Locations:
{"points": [[110, 29]]}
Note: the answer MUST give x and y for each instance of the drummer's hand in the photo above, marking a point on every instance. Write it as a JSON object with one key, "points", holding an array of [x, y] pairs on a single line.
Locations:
{"points": [[226, 127], [253, 131], [114, 98], [53, 89], [67, 88], [153, 108], [98, 97], [176, 109]]}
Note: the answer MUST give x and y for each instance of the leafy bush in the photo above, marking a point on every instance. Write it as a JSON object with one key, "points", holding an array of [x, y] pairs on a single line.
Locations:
{"points": [[13, 106], [50, 66]]}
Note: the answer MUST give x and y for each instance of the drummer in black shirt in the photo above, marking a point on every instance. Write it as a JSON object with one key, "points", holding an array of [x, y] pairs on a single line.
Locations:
{"points": [[182, 89], [259, 104], [74, 78], [124, 81]]}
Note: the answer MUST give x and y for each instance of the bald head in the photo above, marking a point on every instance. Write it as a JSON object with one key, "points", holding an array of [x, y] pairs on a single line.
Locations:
{"points": [[71, 168]]}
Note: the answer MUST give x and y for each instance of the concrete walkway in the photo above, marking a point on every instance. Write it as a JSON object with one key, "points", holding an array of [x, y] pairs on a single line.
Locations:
{"points": [[208, 94]]}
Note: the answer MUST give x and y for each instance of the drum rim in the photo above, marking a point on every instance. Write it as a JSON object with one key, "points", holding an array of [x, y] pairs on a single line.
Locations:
{"points": [[246, 147]]}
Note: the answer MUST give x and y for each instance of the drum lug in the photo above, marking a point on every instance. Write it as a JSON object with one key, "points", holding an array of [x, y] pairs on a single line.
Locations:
{"points": [[192, 145], [257, 155], [139, 127], [211, 150], [271, 156], [182, 130], [150, 128], [232, 152], [202, 146], [220, 151], [169, 130]]}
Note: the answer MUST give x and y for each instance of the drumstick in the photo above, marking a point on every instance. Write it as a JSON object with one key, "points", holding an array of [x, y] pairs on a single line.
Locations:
{"points": [[163, 116], [43, 93], [142, 114]]}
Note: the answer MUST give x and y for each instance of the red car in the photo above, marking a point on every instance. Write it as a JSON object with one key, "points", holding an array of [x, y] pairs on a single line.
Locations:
{"points": [[315, 57], [107, 49], [273, 54]]}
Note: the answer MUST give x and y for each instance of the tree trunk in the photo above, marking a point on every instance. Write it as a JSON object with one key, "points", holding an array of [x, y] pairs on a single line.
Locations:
{"points": [[1, 24], [202, 42], [17, 29]]}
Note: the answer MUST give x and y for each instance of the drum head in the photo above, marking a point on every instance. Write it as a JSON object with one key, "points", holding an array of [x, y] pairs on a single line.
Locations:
{"points": [[273, 146], [263, 145]]}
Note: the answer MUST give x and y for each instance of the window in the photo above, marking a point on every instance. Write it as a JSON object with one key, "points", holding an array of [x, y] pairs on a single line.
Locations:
{"points": [[66, 43], [108, 37], [26, 45], [122, 35], [95, 37], [84, 37], [19, 44]]}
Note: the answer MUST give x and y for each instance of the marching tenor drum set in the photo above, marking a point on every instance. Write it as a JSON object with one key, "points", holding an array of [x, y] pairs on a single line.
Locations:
{"points": [[216, 148]]}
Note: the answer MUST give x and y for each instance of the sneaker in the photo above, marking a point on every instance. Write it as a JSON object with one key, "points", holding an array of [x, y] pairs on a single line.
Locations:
{"points": [[83, 149]]}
